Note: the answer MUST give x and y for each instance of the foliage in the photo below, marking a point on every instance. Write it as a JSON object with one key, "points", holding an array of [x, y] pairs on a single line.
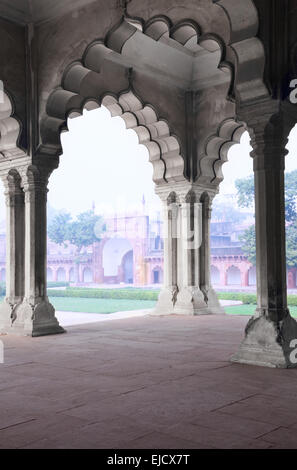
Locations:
{"points": [[244, 298], [52, 284], [81, 232], [58, 228], [251, 299], [245, 196], [291, 237], [248, 239], [2, 289], [245, 192], [227, 212], [250, 310], [131, 294], [291, 196]]}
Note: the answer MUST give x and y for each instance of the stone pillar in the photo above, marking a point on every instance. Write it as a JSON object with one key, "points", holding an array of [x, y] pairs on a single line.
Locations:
{"points": [[205, 255], [15, 235], [167, 297], [187, 289], [269, 333], [190, 299], [35, 316]]}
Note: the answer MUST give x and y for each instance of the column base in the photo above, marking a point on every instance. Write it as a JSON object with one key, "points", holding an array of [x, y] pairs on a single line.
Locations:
{"points": [[30, 320], [268, 343], [6, 316], [166, 301], [213, 302], [191, 301]]}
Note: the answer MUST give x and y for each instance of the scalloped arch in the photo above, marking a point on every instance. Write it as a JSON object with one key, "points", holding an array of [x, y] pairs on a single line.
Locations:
{"points": [[10, 128], [152, 132], [87, 81], [216, 151]]}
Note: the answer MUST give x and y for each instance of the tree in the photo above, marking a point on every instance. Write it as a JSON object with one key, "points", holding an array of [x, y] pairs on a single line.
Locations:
{"points": [[245, 194], [291, 237], [249, 244], [291, 196], [82, 232], [58, 228], [227, 212]]}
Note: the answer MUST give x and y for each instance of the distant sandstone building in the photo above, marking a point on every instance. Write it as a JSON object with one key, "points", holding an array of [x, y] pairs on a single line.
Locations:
{"points": [[131, 252]]}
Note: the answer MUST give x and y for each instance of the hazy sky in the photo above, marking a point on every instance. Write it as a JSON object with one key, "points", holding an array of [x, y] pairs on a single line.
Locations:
{"points": [[103, 162]]}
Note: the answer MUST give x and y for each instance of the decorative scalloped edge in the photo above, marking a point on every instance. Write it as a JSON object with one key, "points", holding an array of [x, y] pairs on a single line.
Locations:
{"points": [[216, 150], [10, 129], [69, 100]]}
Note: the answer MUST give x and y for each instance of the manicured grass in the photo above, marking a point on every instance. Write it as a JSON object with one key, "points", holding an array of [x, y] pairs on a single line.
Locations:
{"points": [[78, 304], [250, 310], [66, 304]]}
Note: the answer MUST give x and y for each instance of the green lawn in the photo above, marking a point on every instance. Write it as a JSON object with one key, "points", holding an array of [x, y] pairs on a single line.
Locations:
{"points": [[78, 304], [250, 310], [68, 304]]}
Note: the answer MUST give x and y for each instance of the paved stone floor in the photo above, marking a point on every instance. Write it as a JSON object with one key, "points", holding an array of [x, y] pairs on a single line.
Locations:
{"points": [[143, 383]]}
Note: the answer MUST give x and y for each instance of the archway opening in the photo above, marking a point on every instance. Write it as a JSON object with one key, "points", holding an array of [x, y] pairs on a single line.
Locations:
{"points": [[291, 216], [87, 276], [128, 264], [125, 241], [215, 275], [233, 276], [157, 275], [233, 251], [61, 275], [252, 276]]}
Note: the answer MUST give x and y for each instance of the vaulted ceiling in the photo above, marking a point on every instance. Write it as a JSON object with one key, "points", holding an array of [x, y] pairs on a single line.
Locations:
{"points": [[35, 11]]}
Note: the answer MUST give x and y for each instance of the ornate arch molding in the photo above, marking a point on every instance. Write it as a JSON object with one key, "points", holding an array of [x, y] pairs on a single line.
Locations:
{"points": [[10, 129], [216, 151], [235, 57], [90, 79], [152, 132], [244, 49], [241, 50]]}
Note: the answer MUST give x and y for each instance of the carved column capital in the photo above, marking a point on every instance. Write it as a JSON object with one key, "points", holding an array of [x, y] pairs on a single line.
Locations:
{"points": [[269, 125], [185, 192], [12, 187], [35, 182]]}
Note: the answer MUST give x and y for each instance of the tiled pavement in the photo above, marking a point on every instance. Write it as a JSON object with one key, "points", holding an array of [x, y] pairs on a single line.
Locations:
{"points": [[143, 383]]}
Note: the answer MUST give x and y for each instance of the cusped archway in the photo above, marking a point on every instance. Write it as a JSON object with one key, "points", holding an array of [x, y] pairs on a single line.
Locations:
{"points": [[233, 276], [10, 127], [148, 71]]}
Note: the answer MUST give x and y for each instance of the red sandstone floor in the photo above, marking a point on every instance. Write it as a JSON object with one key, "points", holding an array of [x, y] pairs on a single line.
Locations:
{"points": [[143, 383]]}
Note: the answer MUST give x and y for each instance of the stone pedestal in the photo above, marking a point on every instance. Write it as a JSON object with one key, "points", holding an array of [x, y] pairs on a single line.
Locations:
{"points": [[269, 343], [36, 320]]}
